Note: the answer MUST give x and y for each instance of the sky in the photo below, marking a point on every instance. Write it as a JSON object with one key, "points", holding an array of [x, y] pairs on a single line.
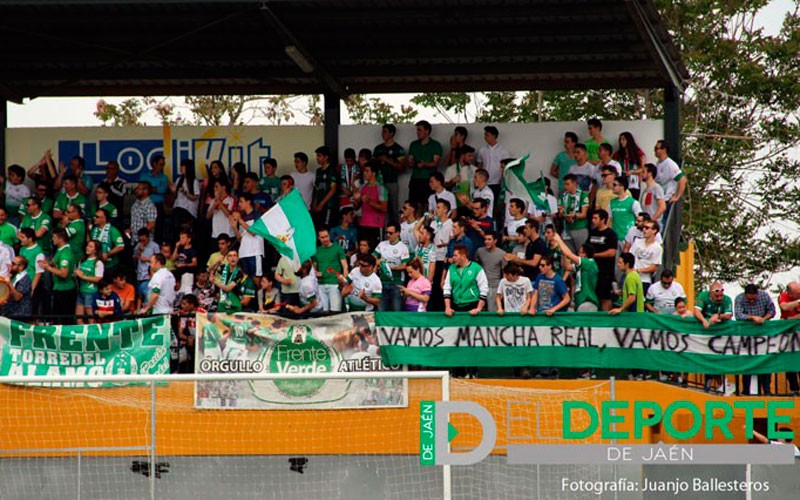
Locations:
{"points": [[78, 111]]}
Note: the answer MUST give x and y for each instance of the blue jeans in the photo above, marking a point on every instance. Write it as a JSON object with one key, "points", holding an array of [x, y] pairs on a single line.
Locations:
{"points": [[390, 298]]}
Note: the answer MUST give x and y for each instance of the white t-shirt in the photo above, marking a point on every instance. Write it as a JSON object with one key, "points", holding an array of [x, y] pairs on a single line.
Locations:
{"points": [[444, 195], [15, 193], [370, 284], [486, 193], [304, 183], [649, 198], [467, 172], [392, 255], [668, 174], [634, 233], [585, 174], [599, 172], [443, 231], [6, 257], [489, 158], [219, 221], [309, 290], [551, 200], [250, 244], [407, 233], [163, 283], [664, 298], [512, 225], [646, 255], [183, 201], [514, 293]]}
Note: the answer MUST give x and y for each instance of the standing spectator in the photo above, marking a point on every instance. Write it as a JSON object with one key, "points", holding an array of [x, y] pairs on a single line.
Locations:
{"points": [[442, 226], [105, 303], [16, 191], [632, 290], [636, 232], [20, 287], [187, 196], [346, 234], [457, 140], [303, 179], [606, 160], [6, 258], [631, 157], [480, 189], [460, 237], [187, 332], [584, 171], [77, 169], [236, 287], [595, 139], [515, 220], [39, 221], [652, 198], [390, 158], [142, 252], [535, 250], [458, 177], [350, 177], [681, 309], [75, 226], [490, 257], [61, 267], [465, 285], [144, 213], [479, 222], [712, 307], [756, 306], [418, 291], [35, 258], [101, 195], [624, 209], [8, 232], [605, 194], [220, 210], [648, 253], [564, 160], [514, 291], [408, 221], [70, 196], [269, 183], [573, 206], [789, 303], [325, 205], [550, 293], [392, 255], [238, 171], [425, 250], [586, 272], [604, 241], [490, 156], [125, 291], [331, 262], [251, 246], [111, 242], [160, 289], [374, 203], [661, 296], [158, 184], [44, 170], [669, 176], [205, 291], [185, 256], [308, 291], [89, 273], [216, 259], [290, 284], [363, 289], [114, 185], [438, 192], [424, 155]]}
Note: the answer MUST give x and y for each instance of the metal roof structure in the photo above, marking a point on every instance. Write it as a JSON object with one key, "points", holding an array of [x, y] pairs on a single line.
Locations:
{"points": [[335, 47]]}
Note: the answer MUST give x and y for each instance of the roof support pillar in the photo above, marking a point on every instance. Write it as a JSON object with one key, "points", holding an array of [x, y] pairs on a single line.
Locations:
{"points": [[333, 118], [672, 121], [3, 127]]}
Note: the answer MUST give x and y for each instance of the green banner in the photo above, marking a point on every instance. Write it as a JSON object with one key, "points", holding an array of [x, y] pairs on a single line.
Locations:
{"points": [[125, 347], [589, 340]]}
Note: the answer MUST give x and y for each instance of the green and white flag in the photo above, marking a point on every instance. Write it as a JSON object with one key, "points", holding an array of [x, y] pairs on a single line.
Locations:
{"points": [[534, 193], [288, 227]]}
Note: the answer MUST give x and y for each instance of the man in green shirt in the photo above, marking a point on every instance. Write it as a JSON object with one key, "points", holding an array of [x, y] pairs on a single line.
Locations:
{"points": [[36, 260], [595, 127], [109, 237], [70, 196], [565, 159], [585, 270], [270, 183], [391, 162], [331, 262], [466, 286], [8, 233], [573, 208], [423, 158], [40, 222], [623, 209], [632, 289], [62, 267], [712, 307], [75, 226]]}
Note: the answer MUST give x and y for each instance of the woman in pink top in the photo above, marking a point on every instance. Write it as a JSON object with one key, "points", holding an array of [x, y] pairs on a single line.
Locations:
{"points": [[418, 291]]}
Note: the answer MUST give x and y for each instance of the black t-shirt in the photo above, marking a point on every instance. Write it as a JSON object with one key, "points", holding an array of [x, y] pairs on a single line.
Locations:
{"points": [[535, 247], [185, 256], [602, 241]]}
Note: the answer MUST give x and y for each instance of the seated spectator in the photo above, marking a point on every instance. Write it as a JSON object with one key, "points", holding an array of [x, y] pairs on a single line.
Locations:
{"points": [[662, 296], [167, 251], [362, 289], [89, 273], [105, 303], [514, 292], [417, 292], [755, 305], [217, 258], [290, 284], [205, 292], [268, 296], [550, 293], [632, 290], [308, 291], [125, 292]]}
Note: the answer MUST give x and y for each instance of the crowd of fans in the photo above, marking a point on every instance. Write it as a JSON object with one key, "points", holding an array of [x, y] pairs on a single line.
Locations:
{"points": [[75, 249]]}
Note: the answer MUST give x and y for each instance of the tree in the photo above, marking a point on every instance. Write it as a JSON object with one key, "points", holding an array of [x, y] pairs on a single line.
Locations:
{"points": [[365, 110]]}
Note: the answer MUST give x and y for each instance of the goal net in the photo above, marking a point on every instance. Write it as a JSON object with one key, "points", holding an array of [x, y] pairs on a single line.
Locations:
{"points": [[152, 441]]}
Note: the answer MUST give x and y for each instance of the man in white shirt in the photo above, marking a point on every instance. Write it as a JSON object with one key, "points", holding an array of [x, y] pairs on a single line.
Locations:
{"points": [[251, 247], [669, 176], [584, 171], [436, 183], [303, 179], [161, 289], [660, 297], [362, 287], [605, 153], [636, 233], [489, 158], [648, 254], [6, 258], [652, 199]]}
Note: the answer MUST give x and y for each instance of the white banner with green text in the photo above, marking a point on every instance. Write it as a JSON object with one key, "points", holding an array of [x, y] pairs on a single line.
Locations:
{"points": [[257, 343], [139, 346], [589, 340]]}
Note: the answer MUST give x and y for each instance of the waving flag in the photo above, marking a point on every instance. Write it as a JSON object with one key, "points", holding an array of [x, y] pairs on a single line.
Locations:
{"points": [[288, 227], [534, 193]]}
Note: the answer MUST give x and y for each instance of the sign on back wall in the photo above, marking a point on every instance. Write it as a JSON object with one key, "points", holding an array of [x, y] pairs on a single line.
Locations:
{"points": [[134, 147]]}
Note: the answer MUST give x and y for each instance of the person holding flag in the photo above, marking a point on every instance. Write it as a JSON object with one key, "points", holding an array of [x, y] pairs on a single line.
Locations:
{"points": [[295, 239], [534, 194]]}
